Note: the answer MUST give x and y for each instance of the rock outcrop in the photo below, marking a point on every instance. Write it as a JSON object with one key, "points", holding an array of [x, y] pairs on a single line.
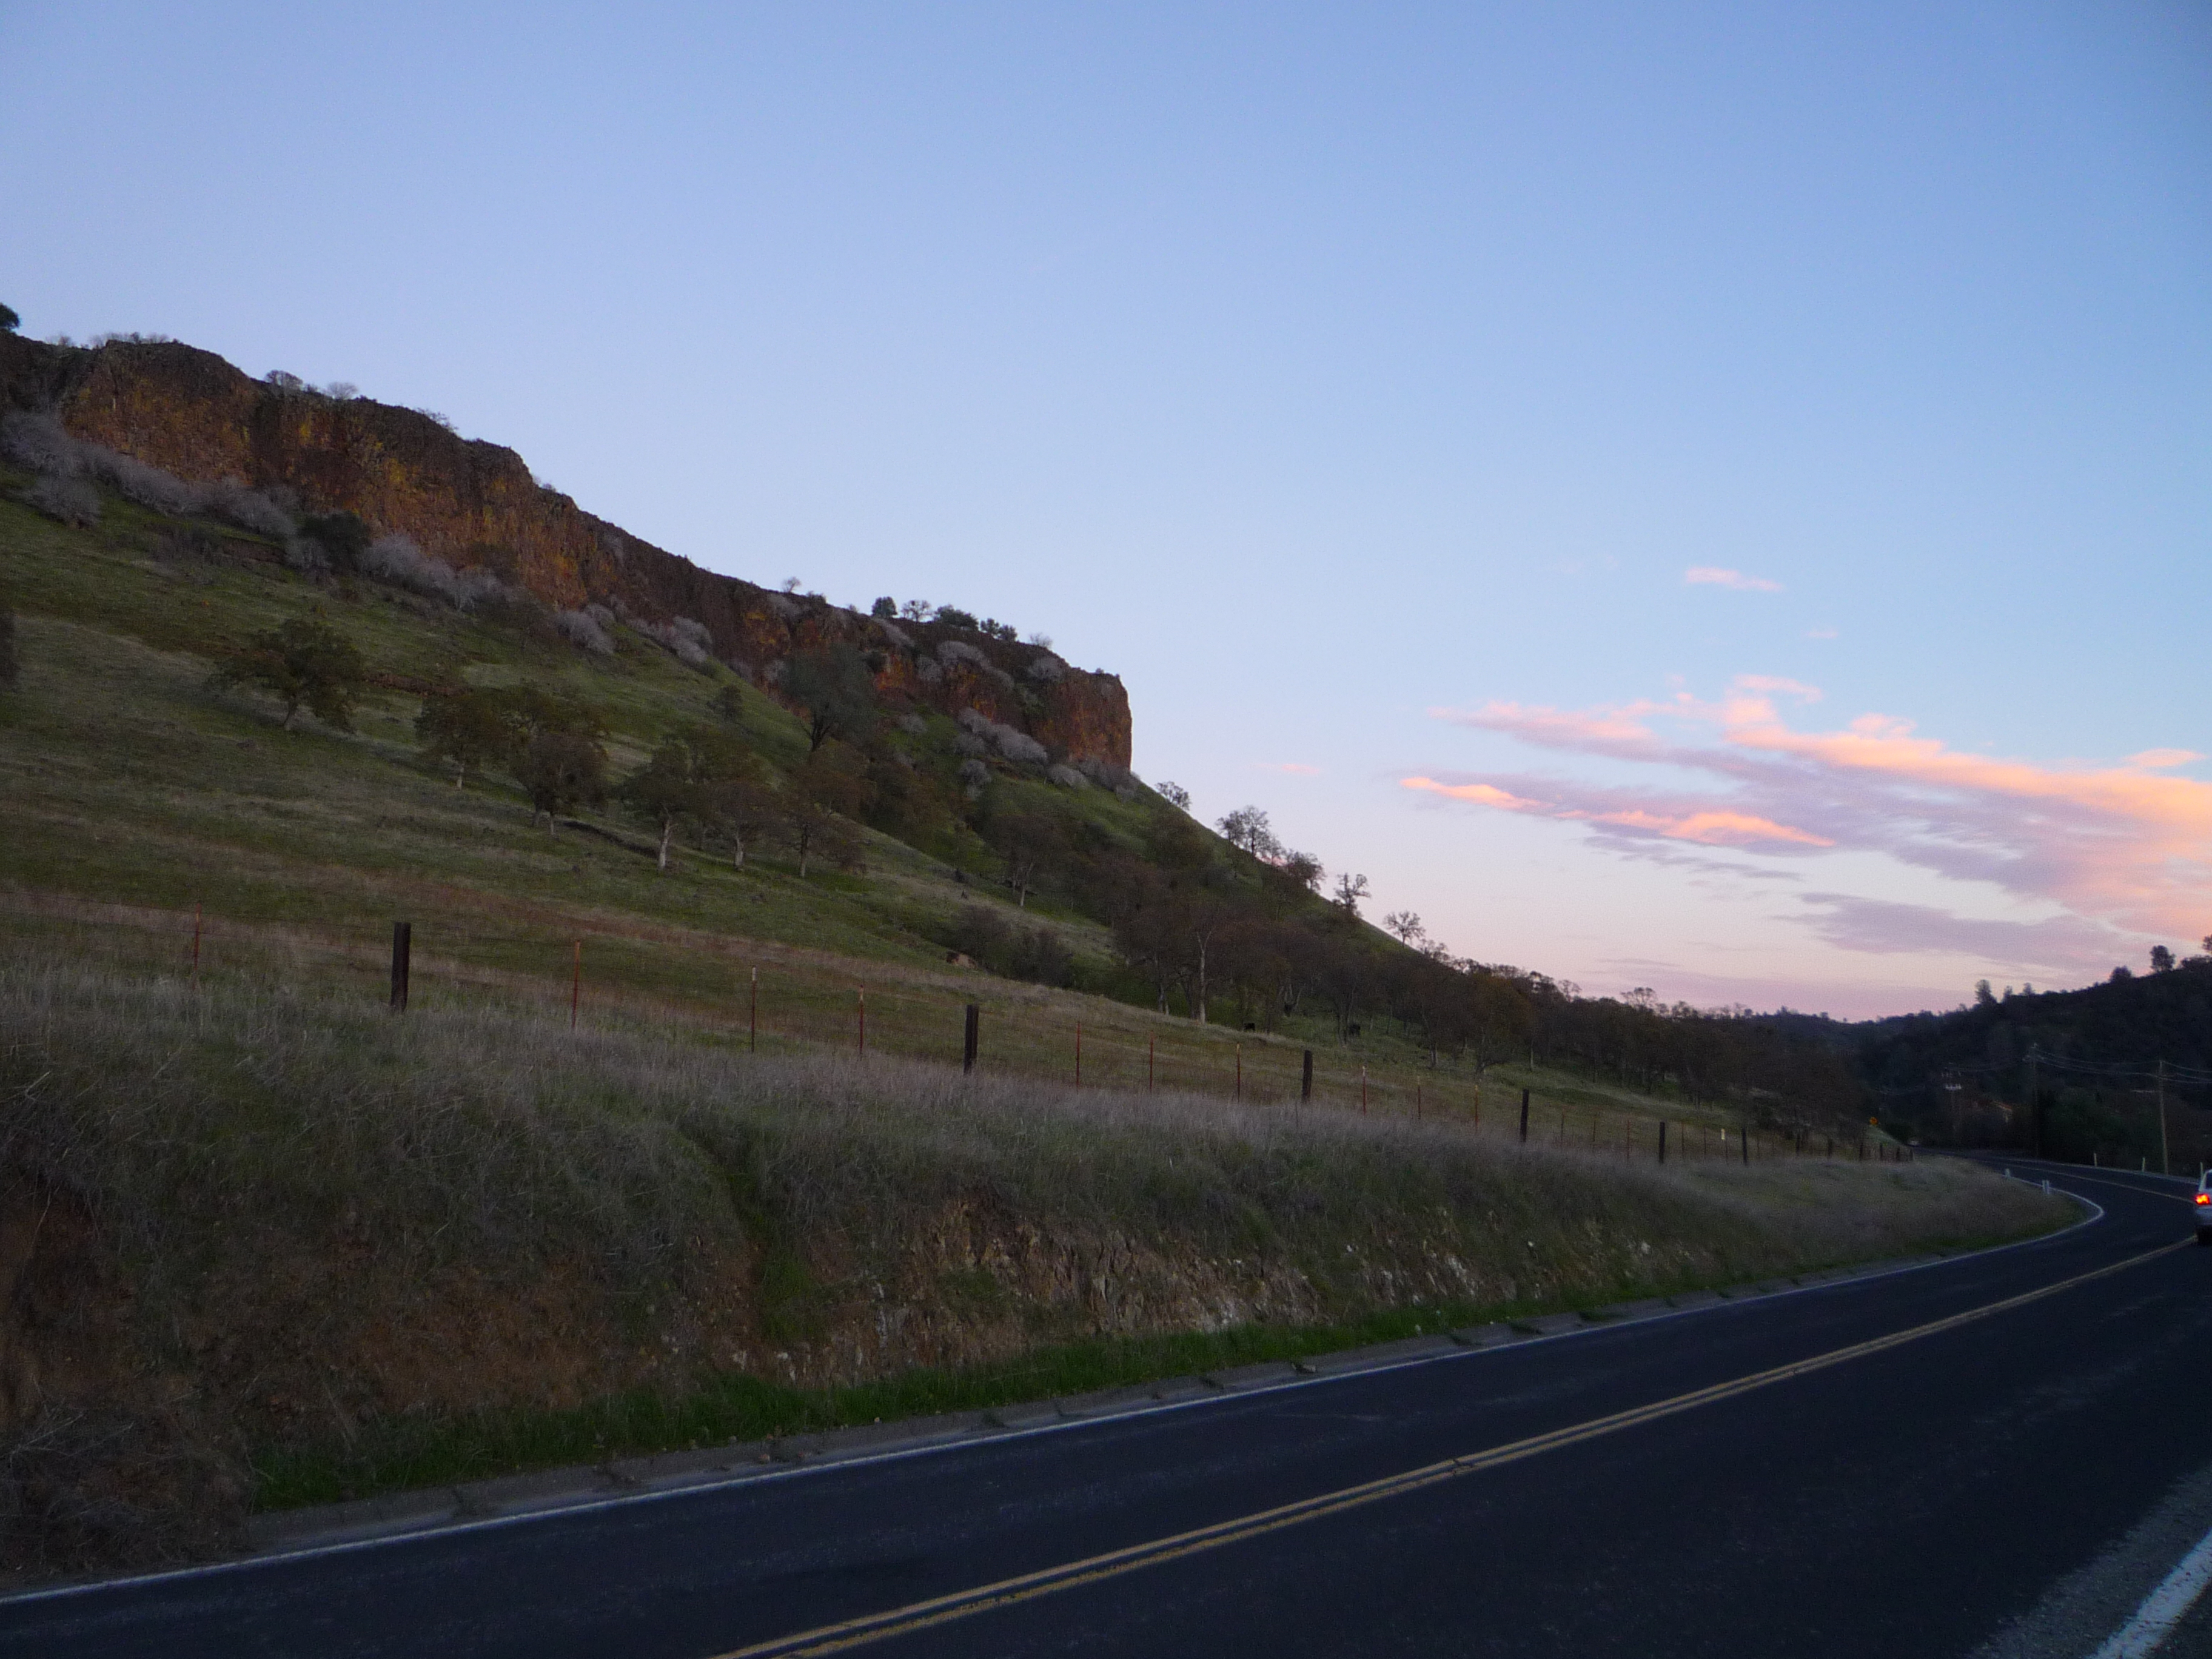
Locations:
{"points": [[475, 505]]}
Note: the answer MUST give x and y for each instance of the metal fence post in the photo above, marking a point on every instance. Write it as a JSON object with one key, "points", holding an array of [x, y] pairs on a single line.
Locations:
{"points": [[403, 939], [1305, 1083], [1524, 1114], [968, 1050]]}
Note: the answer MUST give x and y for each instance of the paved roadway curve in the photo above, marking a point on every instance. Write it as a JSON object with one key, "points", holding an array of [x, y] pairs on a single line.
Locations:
{"points": [[2012, 1483]]}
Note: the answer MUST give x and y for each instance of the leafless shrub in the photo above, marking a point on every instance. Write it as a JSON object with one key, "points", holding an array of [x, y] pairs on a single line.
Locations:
{"points": [[582, 629], [913, 725], [973, 775], [396, 559], [147, 486], [72, 501], [249, 509], [37, 443], [1067, 777], [928, 671], [967, 742], [897, 635], [1046, 669], [1019, 747]]}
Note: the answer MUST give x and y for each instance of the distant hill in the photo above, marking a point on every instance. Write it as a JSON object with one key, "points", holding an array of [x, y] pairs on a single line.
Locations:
{"points": [[2091, 1056]]}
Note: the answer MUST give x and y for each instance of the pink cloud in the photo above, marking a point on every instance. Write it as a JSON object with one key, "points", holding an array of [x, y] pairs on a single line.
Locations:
{"points": [[1707, 826], [2124, 848], [1713, 575]]}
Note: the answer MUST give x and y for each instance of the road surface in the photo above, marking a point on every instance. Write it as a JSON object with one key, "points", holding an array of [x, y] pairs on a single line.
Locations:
{"points": [[2003, 1454]]}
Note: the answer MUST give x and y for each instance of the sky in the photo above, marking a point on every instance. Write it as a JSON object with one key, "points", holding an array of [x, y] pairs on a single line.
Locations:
{"points": [[1711, 497]]}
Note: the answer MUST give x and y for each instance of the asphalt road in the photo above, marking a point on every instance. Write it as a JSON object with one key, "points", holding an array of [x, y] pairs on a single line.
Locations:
{"points": [[2014, 1483]]}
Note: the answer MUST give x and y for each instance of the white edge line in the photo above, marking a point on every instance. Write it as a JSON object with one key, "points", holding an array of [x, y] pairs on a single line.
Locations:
{"points": [[2164, 1608], [403, 1533]]}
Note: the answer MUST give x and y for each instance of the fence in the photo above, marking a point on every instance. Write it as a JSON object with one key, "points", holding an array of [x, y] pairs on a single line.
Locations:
{"points": [[771, 999]]}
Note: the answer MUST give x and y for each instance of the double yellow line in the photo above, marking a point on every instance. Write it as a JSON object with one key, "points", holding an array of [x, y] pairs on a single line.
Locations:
{"points": [[1049, 1580]]}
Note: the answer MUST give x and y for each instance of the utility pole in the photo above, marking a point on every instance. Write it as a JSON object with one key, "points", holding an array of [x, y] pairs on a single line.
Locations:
{"points": [[2034, 1116], [2164, 1162]]}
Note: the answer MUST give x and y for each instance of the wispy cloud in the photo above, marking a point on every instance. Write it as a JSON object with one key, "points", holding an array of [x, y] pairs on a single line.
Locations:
{"points": [[1713, 575], [1296, 769], [2123, 848]]}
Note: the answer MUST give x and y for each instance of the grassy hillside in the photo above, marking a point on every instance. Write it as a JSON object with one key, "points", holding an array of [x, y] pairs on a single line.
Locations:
{"points": [[262, 1243]]}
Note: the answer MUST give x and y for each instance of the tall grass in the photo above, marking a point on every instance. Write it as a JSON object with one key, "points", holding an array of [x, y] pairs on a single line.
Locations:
{"points": [[374, 1248]]}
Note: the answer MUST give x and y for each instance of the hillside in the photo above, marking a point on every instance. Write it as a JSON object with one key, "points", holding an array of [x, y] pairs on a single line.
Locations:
{"points": [[2089, 1061], [702, 879]]}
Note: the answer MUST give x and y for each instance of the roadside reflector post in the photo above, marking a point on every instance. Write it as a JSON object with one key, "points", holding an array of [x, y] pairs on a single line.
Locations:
{"points": [[1524, 1115], [1305, 1082], [403, 936], [968, 1046]]}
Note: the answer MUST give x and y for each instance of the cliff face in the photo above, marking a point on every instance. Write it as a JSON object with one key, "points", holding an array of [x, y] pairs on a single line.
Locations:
{"points": [[475, 504]]}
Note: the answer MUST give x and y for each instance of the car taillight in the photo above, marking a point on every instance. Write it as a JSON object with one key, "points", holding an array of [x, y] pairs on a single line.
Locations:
{"points": [[2204, 1197]]}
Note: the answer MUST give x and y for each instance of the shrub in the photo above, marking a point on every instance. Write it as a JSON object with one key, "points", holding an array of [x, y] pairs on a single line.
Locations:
{"points": [[396, 559], [583, 631], [1046, 669], [72, 501], [342, 537], [1067, 777], [146, 486], [37, 444], [973, 775], [953, 616], [883, 608], [10, 322], [249, 509]]}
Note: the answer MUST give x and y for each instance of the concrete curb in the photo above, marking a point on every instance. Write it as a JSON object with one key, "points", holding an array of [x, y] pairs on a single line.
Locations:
{"points": [[336, 1525]]}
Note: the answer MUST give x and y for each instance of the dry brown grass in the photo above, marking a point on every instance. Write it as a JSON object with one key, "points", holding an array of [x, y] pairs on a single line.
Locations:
{"points": [[310, 1218]]}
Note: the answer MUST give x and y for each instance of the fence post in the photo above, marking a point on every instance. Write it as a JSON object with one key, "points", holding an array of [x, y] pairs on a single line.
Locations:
{"points": [[863, 997], [1305, 1083], [196, 945], [1150, 1044], [968, 1047], [753, 1040], [1240, 1071], [1362, 1089], [1524, 1116], [576, 987], [1078, 1054], [1662, 1141], [403, 939], [1744, 1135]]}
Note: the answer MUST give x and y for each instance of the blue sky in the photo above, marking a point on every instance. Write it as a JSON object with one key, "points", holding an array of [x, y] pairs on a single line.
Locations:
{"points": [[1359, 383]]}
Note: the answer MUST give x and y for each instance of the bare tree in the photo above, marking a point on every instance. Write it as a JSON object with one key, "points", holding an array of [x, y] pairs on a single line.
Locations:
{"points": [[1406, 925], [1349, 889]]}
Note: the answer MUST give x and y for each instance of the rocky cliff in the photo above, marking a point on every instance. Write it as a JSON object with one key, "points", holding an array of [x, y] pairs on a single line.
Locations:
{"points": [[475, 505]]}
